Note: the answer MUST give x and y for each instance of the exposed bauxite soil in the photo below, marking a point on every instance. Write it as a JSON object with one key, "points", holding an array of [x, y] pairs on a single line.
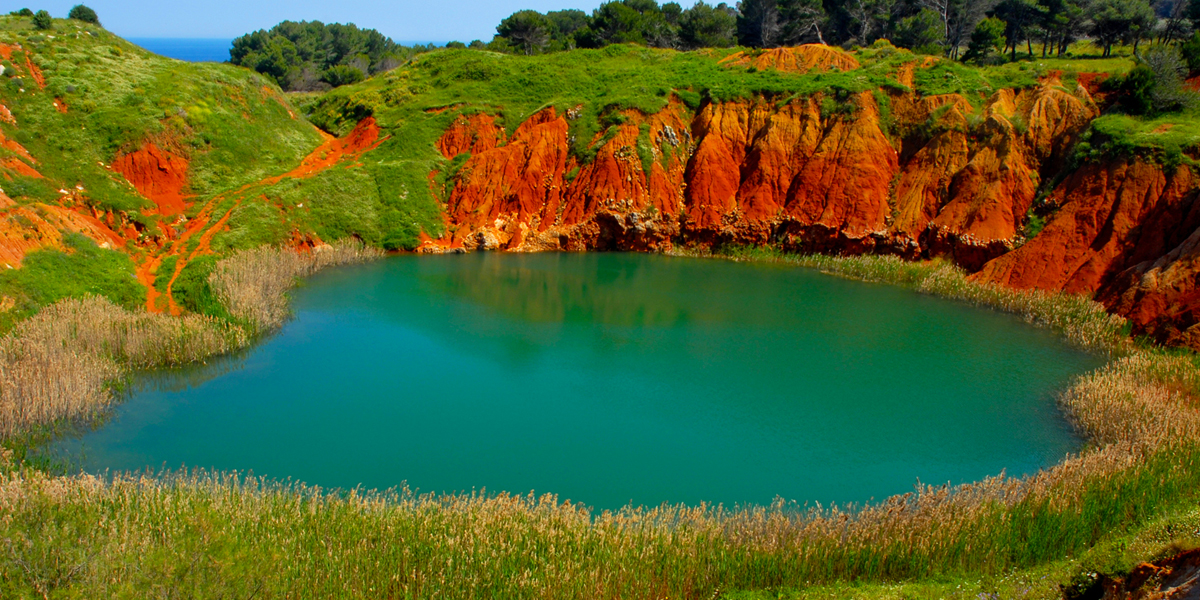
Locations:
{"points": [[947, 179], [754, 171], [158, 175], [206, 223]]}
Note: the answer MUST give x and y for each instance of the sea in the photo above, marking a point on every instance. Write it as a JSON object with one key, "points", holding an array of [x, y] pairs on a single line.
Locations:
{"points": [[207, 49], [189, 49]]}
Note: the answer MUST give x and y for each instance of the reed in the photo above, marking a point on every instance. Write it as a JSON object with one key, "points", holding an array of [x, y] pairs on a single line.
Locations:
{"points": [[253, 284], [211, 534], [239, 535], [62, 363], [1082, 321]]}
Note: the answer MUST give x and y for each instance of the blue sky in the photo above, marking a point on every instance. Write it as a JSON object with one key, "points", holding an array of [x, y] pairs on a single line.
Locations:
{"points": [[402, 20]]}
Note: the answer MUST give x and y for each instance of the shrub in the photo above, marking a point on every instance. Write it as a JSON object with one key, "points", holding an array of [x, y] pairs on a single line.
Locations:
{"points": [[343, 75], [42, 20], [24, 12], [82, 13], [1156, 84]]}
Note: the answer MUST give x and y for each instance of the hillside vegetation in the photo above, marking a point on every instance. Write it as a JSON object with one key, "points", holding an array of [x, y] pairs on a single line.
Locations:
{"points": [[135, 185]]}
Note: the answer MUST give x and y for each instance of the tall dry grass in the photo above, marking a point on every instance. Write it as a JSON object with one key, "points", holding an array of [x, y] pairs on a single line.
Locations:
{"points": [[227, 535], [252, 284], [61, 363], [222, 534], [1082, 321]]}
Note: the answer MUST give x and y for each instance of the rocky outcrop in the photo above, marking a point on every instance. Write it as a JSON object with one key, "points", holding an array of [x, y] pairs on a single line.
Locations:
{"points": [[1173, 578], [920, 177], [795, 59], [817, 173]]}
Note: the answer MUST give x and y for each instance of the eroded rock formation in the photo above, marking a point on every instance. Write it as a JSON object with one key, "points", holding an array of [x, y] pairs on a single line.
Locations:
{"points": [[918, 176]]}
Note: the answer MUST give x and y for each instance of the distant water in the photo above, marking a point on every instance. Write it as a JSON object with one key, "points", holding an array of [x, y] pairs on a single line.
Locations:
{"points": [[189, 49], [610, 378]]}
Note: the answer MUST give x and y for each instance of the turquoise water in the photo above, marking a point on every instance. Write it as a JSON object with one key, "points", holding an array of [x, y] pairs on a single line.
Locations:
{"points": [[609, 379]]}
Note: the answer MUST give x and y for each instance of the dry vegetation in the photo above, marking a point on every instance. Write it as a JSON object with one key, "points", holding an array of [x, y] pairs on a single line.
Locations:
{"points": [[252, 284], [224, 535], [61, 364], [1077, 317]]}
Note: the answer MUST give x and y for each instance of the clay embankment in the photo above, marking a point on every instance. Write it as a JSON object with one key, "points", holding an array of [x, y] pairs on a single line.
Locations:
{"points": [[956, 180], [944, 179]]}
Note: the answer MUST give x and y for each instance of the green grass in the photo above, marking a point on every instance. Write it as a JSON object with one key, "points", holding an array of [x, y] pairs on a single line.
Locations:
{"points": [[119, 95], [48, 276]]}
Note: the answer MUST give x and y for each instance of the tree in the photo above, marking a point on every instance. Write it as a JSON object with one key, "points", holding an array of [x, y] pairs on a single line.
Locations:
{"points": [[629, 21], [1116, 21], [564, 25], [42, 20], [1020, 18], [82, 13], [801, 21], [1190, 50], [477, 45], [758, 23], [987, 39], [527, 29], [1177, 25], [922, 32], [958, 18], [24, 12], [869, 19], [706, 26], [456, 45], [1061, 23], [299, 55]]}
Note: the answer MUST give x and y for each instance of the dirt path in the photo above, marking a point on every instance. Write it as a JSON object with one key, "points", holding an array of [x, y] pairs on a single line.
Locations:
{"points": [[332, 151]]}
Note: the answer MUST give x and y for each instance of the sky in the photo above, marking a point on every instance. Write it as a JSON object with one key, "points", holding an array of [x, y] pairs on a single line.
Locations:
{"points": [[401, 20]]}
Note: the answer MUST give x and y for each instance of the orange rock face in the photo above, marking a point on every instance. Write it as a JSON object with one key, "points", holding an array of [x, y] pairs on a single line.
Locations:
{"points": [[795, 59], [158, 175], [814, 174], [940, 177]]}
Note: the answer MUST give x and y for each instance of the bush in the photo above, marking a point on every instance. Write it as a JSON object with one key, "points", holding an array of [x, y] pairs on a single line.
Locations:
{"points": [[1156, 84], [343, 75], [24, 12], [1190, 49], [82, 13], [42, 20]]}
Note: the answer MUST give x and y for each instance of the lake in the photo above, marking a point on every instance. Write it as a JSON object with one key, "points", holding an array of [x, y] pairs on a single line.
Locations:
{"points": [[611, 379]]}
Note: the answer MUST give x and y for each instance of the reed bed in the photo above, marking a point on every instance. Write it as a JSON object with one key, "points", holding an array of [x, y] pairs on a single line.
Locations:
{"points": [[62, 363], [231, 535], [225, 534], [1081, 320], [252, 284]]}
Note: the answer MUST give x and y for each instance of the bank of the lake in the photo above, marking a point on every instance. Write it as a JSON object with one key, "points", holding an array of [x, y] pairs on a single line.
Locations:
{"points": [[610, 379], [1130, 495]]}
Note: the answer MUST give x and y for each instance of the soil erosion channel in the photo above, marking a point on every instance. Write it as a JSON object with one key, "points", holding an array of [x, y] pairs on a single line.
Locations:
{"points": [[612, 378]]}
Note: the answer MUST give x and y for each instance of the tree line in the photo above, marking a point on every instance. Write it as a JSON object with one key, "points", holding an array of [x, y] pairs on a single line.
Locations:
{"points": [[977, 30], [314, 56]]}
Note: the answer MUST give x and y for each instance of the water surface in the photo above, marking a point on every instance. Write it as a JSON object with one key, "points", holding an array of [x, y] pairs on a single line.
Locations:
{"points": [[609, 379], [189, 49]]}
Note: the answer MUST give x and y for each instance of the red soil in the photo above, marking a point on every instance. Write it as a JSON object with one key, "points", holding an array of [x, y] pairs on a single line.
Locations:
{"points": [[158, 175], [18, 166], [364, 137], [60, 106], [797, 59]]}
